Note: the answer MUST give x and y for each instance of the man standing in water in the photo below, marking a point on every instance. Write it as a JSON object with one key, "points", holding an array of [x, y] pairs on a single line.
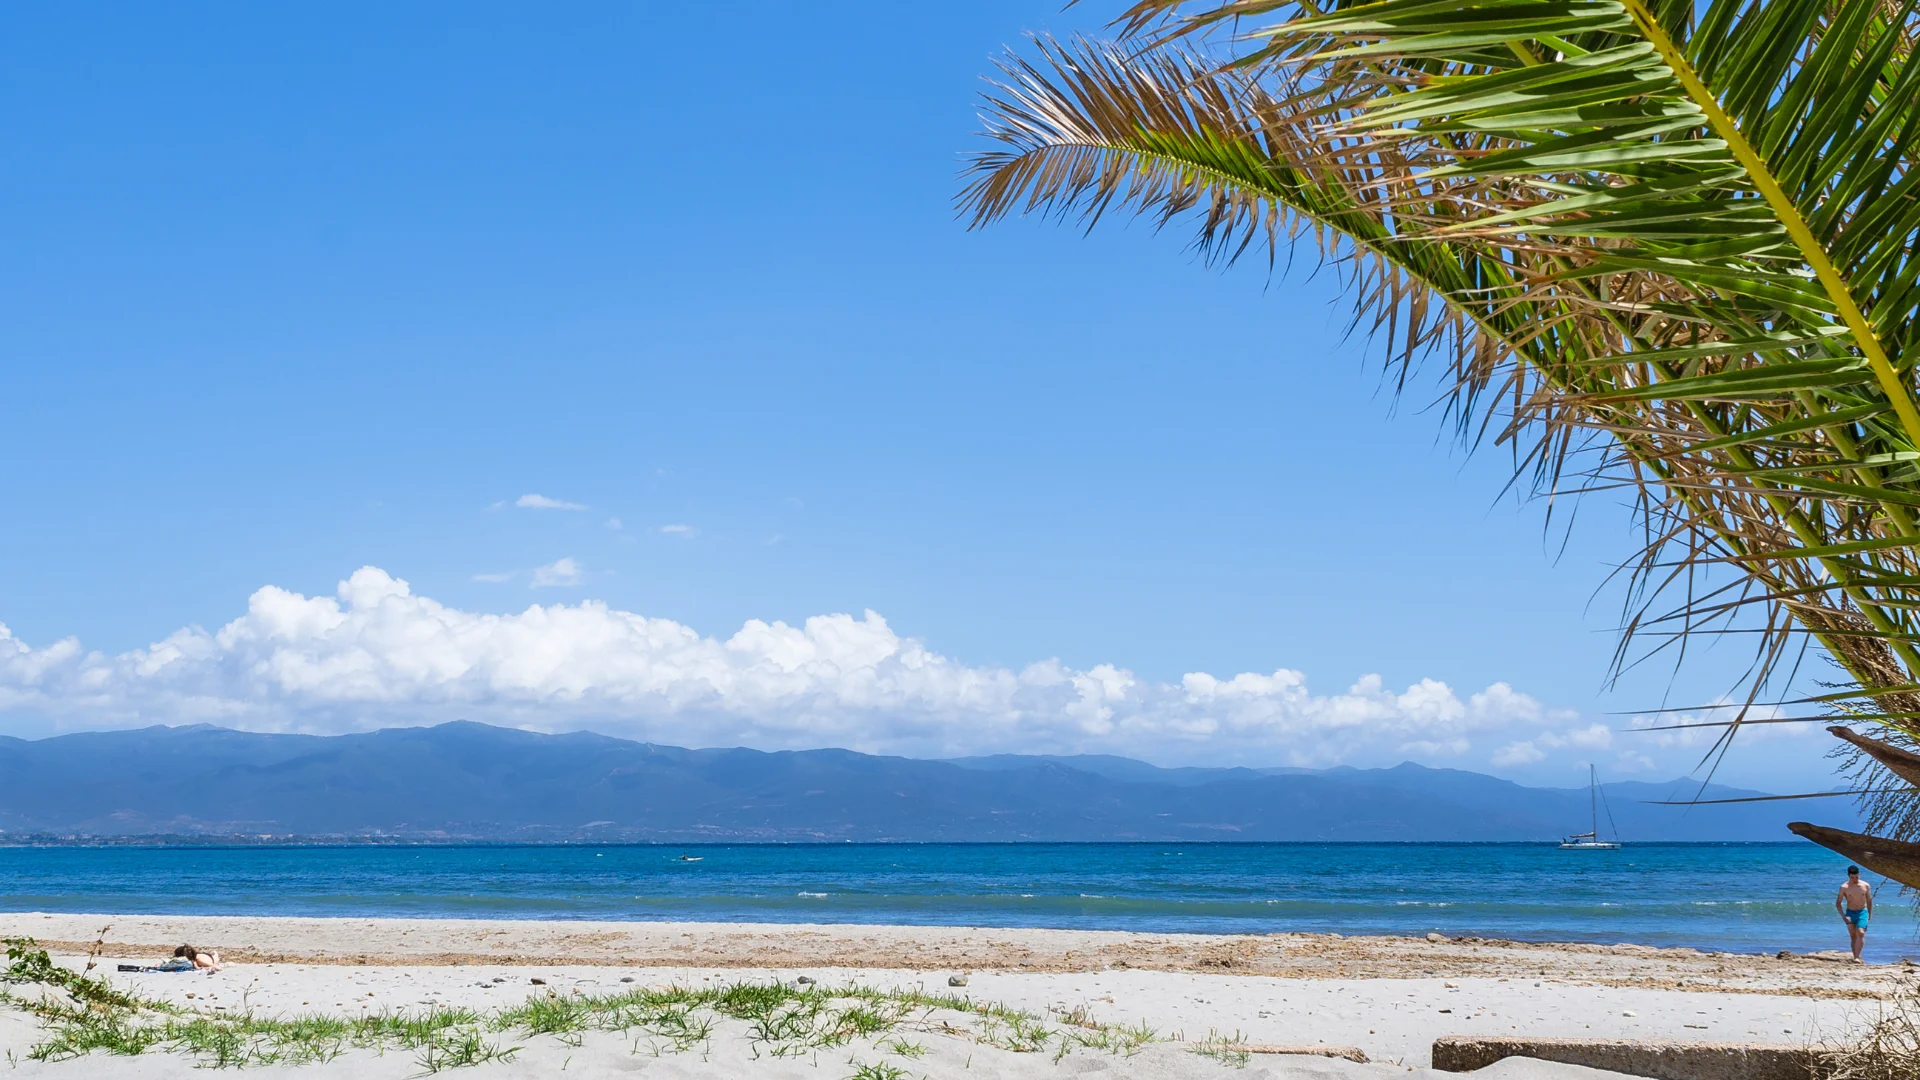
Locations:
{"points": [[1855, 905]]}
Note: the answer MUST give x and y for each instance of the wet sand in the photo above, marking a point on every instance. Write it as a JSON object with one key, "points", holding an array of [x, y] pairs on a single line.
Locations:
{"points": [[445, 942]]}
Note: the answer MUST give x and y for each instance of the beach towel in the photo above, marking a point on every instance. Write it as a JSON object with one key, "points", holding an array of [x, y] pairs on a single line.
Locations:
{"points": [[177, 964]]}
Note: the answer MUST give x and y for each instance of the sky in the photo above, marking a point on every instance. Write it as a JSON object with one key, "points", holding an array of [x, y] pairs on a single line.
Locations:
{"points": [[626, 367]]}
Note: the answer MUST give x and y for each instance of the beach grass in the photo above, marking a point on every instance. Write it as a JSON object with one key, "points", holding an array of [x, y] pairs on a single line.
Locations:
{"points": [[83, 1014], [1228, 1050]]}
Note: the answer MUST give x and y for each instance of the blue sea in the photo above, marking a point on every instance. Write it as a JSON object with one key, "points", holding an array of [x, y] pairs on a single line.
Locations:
{"points": [[1729, 897]]}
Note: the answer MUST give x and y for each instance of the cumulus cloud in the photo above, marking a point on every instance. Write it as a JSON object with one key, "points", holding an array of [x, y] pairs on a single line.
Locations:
{"points": [[1528, 751], [1518, 753], [375, 654], [541, 502], [1632, 761], [558, 572], [1591, 737]]}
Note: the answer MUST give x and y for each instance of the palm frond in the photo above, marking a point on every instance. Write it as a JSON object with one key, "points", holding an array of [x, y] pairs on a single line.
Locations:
{"points": [[1661, 246]]}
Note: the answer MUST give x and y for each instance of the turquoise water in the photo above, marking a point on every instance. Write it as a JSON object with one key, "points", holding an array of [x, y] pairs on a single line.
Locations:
{"points": [[1731, 897]]}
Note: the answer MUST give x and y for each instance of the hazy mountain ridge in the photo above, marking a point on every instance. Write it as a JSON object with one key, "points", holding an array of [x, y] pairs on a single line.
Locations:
{"points": [[471, 781]]}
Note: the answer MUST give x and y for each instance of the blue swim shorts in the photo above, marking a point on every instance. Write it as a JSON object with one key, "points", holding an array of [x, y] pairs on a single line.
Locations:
{"points": [[1857, 917]]}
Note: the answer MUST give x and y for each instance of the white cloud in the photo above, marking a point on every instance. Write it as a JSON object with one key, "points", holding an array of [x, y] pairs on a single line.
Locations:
{"points": [[1591, 737], [1530, 751], [1632, 761], [556, 573], [1518, 753], [678, 530], [377, 655], [1433, 748], [541, 502], [614, 525]]}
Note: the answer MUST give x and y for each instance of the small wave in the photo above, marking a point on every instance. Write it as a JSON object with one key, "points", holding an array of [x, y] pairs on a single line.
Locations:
{"points": [[814, 895]]}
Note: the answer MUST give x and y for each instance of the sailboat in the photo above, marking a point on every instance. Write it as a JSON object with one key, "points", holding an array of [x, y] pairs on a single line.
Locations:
{"points": [[1590, 841]]}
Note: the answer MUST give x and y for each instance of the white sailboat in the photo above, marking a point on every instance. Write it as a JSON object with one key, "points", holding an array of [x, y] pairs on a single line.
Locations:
{"points": [[1590, 841]]}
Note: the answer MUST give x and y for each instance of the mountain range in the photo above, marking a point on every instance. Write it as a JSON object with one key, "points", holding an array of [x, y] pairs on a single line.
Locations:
{"points": [[469, 781]]}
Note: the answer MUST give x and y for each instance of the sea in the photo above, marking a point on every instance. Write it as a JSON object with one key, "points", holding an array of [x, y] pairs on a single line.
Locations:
{"points": [[1747, 898]]}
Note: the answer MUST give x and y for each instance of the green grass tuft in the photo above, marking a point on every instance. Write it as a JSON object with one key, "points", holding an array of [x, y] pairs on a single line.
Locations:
{"points": [[779, 1019], [455, 1048], [27, 962], [1228, 1050], [904, 1048]]}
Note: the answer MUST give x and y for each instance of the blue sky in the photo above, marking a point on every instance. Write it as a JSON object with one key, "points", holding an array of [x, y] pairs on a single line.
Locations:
{"points": [[291, 292]]}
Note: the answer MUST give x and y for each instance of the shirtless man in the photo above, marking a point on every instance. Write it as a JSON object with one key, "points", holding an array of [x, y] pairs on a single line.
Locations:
{"points": [[1855, 905]]}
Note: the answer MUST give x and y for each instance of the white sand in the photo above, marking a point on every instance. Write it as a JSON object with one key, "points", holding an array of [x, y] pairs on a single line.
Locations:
{"points": [[1628, 994], [730, 1056]]}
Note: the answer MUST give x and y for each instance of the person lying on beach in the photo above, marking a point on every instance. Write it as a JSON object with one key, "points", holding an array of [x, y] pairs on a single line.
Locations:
{"points": [[201, 959]]}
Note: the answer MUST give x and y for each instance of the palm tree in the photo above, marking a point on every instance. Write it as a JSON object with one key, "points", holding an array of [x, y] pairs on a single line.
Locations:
{"points": [[1660, 246]]}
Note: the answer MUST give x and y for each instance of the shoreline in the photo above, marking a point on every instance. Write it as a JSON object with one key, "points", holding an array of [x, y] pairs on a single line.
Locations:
{"points": [[242, 840], [1753, 898], [355, 941]]}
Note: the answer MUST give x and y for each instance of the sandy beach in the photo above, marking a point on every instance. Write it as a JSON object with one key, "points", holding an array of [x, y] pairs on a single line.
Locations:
{"points": [[1388, 997], [931, 949]]}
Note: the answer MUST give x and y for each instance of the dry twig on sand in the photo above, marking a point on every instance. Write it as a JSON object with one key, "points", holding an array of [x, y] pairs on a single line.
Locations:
{"points": [[1890, 1049]]}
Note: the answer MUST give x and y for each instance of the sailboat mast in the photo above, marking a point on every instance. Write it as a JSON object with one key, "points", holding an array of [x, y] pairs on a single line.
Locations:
{"points": [[1593, 797]]}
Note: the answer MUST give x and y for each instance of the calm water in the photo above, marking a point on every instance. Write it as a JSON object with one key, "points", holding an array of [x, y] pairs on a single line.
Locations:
{"points": [[1734, 897]]}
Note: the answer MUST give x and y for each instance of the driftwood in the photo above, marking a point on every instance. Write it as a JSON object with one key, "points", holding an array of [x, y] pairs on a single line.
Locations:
{"points": [[1896, 859], [1904, 764], [1662, 1059]]}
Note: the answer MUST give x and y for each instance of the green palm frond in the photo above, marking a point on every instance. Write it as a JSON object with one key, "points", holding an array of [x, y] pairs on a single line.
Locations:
{"points": [[1666, 247]]}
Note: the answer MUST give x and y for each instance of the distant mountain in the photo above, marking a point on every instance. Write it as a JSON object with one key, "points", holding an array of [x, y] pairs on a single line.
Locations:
{"points": [[471, 781]]}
